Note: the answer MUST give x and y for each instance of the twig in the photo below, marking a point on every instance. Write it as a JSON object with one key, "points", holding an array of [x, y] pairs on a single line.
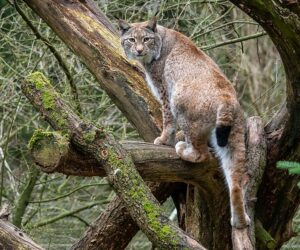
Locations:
{"points": [[67, 214], [22, 201], [236, 40], [224, 25], [67, 194], [5, 152]]}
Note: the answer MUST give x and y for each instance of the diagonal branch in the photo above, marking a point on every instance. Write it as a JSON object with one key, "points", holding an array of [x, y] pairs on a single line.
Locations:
{"points": [[91, 36], [118, 165]]}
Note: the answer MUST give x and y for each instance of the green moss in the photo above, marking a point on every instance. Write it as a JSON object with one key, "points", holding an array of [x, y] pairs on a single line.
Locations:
{"points": [[38, 135], [154, 221], [39, 80], [48, 100], [89, 136], [48, 97], [138, 193]]}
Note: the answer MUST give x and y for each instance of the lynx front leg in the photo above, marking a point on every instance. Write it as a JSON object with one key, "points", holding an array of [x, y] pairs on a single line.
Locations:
{"points": [[167, 136]]}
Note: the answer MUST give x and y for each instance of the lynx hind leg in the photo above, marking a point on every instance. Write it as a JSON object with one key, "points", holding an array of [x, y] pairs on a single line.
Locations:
{"points": [[232, 159], [187, 152], [194, 149]]}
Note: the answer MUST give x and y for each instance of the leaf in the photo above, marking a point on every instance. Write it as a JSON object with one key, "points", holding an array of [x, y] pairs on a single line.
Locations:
{"points": [[287, 164]]}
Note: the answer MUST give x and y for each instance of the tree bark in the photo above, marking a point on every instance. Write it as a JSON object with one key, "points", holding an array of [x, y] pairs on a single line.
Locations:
{"points": [[91, 36], [12, 237], [98, 235], [53, 153], [278, 197]]}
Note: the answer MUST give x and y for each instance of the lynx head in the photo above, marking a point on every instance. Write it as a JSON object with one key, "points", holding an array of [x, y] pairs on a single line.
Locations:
{"points": [[141, 41]]}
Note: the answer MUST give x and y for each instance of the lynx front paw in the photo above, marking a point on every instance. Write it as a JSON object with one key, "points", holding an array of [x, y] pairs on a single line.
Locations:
{"points": [[163, 141], [158, 141], [240, 222]]}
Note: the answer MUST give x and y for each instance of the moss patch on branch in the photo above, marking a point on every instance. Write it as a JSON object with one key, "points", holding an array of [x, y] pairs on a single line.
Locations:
{"points": [[138, 194], [48, 98], [40, 134], [40, 82]]}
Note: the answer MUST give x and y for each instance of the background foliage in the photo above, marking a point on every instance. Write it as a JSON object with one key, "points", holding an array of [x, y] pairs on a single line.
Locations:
{"points": [[55, 209]]}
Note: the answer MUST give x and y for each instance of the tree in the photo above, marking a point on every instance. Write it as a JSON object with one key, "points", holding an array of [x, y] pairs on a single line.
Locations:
{"points": [[95, 40]]}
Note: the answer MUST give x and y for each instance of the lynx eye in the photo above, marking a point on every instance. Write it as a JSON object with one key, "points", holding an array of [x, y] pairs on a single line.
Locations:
{"points": [[131, 39], [146, 39]]}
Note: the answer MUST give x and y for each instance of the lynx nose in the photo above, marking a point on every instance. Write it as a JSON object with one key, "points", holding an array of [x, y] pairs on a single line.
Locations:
{"points": [[139, 49]]}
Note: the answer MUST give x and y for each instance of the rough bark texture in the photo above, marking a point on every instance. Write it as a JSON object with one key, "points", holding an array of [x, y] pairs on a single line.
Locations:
{"points": [[53, 153], [112, 219], [13, 238], [278, 197], [92, 37], [117, 163]]}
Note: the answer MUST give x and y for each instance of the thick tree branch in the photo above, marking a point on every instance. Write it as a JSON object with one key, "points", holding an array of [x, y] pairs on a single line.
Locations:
{"points": [[13, 238], [91, 36], [53, 153], [116, 216], [122, 175]]}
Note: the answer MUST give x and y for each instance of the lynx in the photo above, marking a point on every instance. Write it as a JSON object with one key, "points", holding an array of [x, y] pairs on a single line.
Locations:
{"points": [[196, 95]]}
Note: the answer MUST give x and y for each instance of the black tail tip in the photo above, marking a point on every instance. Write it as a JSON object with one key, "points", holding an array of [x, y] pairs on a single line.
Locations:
{"points": [[222, 134]]}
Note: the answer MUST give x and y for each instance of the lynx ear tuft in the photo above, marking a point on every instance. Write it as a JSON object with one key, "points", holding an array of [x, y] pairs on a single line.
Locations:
{"points": [[152, 24], [124, 26]]}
